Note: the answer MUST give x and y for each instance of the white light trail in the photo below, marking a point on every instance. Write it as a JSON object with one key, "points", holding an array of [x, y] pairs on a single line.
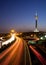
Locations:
{"points": [[10, 40]]}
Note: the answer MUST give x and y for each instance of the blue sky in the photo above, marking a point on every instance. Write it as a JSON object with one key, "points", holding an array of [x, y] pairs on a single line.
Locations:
{"points": [[20, 15]]}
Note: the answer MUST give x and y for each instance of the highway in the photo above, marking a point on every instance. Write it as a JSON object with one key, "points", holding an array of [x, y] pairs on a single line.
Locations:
{"points": [[37, 53], [16, 54], [41, 50]]}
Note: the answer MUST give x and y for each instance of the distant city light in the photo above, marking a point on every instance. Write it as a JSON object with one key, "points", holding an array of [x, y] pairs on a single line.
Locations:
{"points": [[31, 35], [12, 31], [41, 38], [45, 36]]}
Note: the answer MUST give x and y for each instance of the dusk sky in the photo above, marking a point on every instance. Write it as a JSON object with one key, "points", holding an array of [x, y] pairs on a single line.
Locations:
{"points": [[20, 15]]}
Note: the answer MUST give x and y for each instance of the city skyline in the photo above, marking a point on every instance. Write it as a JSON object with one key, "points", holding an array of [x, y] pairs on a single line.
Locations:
{"points": [[20, 15]]}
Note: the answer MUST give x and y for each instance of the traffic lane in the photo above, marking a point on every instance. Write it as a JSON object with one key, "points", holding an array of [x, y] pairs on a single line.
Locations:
{"points": [[38, 55], [41, 51], [5, 59], [42, 48], [19, 55], [26, 54], [22, 56], [5, 52]]}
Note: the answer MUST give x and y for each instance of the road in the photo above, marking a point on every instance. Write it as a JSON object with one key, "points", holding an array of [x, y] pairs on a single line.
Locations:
{"points": [[16, 54], [38, 55], [42, 50]]}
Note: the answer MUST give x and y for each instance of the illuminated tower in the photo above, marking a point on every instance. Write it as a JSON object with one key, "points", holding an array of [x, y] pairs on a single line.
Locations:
{"points": [[36, 19]]}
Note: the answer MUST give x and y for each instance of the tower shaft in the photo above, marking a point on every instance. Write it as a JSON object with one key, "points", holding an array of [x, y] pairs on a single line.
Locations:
{"points": [[36, 19], [36, 24]]}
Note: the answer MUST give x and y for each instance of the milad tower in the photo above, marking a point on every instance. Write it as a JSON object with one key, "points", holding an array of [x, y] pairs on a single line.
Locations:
{"points": [[36, 19]]}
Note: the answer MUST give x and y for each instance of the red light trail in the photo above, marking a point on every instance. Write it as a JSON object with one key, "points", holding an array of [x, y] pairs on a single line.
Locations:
{"points": [[38, 55]]}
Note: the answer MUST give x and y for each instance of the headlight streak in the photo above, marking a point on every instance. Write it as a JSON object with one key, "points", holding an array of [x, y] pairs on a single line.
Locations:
{"points": [[9, 40]]}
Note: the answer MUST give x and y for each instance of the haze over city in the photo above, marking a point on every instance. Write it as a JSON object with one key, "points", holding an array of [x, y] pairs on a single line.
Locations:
{"points": [[20, 15]]}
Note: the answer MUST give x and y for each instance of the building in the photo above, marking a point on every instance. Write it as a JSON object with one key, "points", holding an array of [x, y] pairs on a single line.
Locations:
{"points": [[36, 19]]}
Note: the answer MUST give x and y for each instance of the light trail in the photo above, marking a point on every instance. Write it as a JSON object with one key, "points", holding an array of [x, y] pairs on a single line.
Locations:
{"points": [[8, 49], [38, 55], [9, 53], [15, 54], [9, 40], [9, 57]]}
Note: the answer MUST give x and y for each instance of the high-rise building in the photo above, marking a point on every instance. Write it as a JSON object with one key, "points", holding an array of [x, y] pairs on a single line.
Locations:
{"points": [[36, 19]]}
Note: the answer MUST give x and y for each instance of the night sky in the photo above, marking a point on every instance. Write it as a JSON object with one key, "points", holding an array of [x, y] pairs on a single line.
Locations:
{"points": [[20, 15]]}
